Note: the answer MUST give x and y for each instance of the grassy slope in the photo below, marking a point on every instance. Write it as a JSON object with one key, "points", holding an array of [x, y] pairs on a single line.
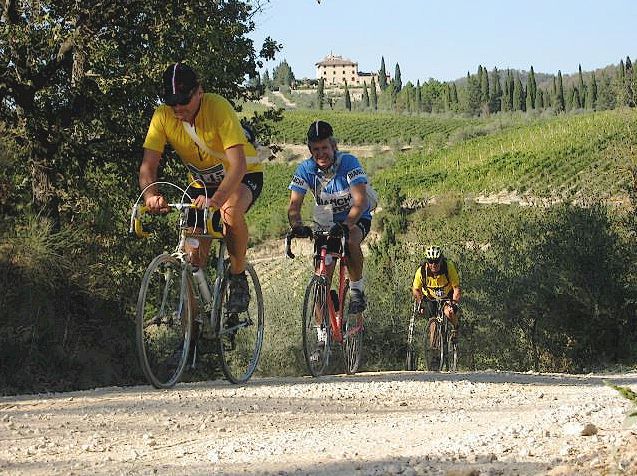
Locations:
{"points": [[567, 157]]}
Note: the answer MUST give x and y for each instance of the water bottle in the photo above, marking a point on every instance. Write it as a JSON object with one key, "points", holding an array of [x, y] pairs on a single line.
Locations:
{"points": [[202, 283]]}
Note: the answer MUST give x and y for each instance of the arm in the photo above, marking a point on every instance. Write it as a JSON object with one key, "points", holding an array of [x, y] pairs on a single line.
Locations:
{"points": [[359, 197], [457, 294], [237, 167], [294, 209], [147, 175]]}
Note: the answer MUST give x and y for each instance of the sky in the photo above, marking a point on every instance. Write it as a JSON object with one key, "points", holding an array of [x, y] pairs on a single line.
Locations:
{"points": [[445, 39]]}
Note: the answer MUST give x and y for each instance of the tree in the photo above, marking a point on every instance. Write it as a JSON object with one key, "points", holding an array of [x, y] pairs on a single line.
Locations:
{"points": [[474, 95], [320, 93], [560, 105], [496, 91], [282, 75], [519, 102], [382, 75], [373, 96], [365, 98], [484, 86], [348, 99], [398, 83], [418, 97], [531, 90], [79, 80], [266, 81], [591, 96], [581, 87]]}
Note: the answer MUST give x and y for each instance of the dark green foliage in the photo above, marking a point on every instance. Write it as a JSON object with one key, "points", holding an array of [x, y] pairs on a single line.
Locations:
{"points": [[398, 83], [365, 98], [373, 97], [348, 99], [282, 75], [382, 75], [320, 93], [560, 103]]}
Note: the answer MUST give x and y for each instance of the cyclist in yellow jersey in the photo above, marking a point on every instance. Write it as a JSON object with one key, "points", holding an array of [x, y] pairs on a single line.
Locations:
{"points": [[438, 277], [217, 159]]}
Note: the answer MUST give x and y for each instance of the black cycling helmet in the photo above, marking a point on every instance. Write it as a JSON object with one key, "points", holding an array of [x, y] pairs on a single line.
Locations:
{"points": [[180, 83], [319, 130]]}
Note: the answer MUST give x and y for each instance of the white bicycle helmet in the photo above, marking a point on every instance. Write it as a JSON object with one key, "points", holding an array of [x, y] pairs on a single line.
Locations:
{"points": [[433, 253]]}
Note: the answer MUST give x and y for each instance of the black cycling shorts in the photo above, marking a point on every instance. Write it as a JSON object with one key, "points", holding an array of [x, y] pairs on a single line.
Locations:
{"points": [[253, 180], [334, 244]]}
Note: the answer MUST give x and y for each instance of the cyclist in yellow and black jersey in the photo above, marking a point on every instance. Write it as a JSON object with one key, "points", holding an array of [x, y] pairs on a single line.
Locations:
{"points": [[206, 133], [438, 278]]}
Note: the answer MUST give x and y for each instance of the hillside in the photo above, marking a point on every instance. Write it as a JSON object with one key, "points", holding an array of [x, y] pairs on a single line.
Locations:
{"points": [[565, 158]]}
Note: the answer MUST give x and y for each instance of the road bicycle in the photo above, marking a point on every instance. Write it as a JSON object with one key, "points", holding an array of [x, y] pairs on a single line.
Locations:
{"points": [[444, 352], [178, 311], [325, 319]]}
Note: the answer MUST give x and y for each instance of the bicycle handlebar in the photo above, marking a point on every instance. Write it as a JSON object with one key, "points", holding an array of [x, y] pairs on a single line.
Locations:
{"points": [[315, 234], [139, 210]]}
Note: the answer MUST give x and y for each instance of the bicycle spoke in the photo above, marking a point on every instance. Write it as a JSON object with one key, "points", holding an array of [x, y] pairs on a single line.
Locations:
{"points": [[241, 334], [352, 338], [315, 327], [164, 322]]}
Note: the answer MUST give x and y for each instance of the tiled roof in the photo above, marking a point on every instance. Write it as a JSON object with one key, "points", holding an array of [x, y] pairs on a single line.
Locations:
{"points": [[335, 60]]}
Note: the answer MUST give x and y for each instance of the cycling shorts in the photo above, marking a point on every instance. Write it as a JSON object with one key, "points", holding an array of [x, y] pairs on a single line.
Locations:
{"points": [[254, 181], [334, 244]]}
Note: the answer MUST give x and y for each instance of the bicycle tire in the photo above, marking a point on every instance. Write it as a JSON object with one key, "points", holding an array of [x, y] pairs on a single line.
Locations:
{"points": [[240, 335], [163, 321], [411, 359], [352, 337], [317, 356], [452, 353]]}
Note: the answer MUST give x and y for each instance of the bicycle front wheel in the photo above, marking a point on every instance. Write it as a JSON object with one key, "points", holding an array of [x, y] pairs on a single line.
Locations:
{"points": [[352, 337], [241, 334], [452, 353], [164, 321], [316, 331], [411, 359]]}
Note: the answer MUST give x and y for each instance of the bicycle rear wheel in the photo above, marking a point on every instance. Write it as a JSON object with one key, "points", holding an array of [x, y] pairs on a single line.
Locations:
{"points": [[436, 354], [241, 334], [164, 321], [352, 337], [316, 331]]}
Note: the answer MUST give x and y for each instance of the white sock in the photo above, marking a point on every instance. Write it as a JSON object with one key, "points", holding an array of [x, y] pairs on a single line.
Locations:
{"points": [[357, 285]]}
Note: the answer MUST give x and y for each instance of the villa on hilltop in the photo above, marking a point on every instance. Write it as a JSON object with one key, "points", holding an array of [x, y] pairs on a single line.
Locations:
{"points": [[336, 70]]}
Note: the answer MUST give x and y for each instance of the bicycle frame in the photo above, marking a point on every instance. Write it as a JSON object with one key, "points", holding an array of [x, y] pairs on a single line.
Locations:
{"points": [[180, 254], [336, 317]]}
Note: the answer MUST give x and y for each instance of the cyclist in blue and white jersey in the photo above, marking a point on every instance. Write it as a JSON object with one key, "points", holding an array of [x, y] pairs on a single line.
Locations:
{"points": [[339, 186]]}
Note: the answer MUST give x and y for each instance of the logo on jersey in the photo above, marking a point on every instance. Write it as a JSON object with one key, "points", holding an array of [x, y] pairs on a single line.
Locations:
{"points": [[299, 182], [210, 176], [354, 174]]}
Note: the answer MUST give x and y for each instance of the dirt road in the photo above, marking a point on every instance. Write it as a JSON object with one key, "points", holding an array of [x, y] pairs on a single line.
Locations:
{"points": [[373, 423]]}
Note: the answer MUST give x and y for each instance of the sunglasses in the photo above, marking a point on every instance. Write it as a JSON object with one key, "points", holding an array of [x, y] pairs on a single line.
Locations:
{"points": [[178, 99], [434, 261]]}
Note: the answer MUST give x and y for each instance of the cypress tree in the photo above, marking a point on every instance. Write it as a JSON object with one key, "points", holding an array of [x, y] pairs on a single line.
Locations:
{"points": [[398, 84], [496, 91], [418, 97], [382, 75], [539, 99], [518, 95], [560, 106], [454, 97], [348, 99], [373, 97], [581, 87], [320, 93], [474, 95], [504, 102], [576, 103], [630, 85], [531, 90], [591, 95], [365, 96], [484, 88]]}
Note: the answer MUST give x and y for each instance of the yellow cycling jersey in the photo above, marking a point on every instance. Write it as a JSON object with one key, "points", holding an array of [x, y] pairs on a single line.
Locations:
{"points": [[445, 282], [219, 127]]}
